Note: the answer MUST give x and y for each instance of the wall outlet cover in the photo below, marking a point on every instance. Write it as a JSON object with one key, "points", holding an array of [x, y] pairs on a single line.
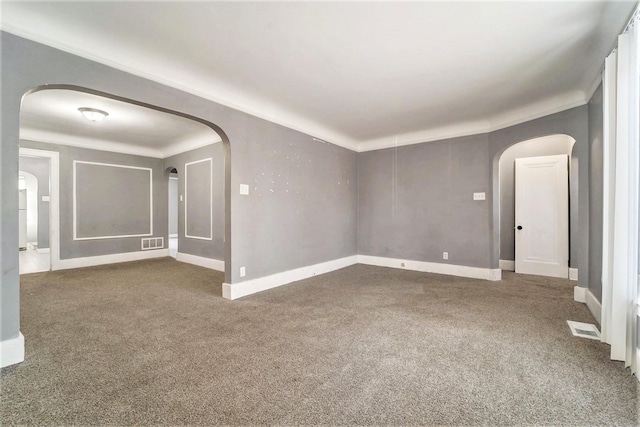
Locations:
{"points": [[479, 196], [244, 189], [445, 255], [243, 271]]}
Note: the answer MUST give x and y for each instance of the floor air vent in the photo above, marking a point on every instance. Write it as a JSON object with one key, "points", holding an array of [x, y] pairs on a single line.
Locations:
{"points": [[584, 330], [152, 243]]}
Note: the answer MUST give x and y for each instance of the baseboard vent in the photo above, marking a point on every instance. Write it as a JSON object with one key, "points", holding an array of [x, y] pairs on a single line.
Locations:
{"points": [[152, 243], [584, 330]]}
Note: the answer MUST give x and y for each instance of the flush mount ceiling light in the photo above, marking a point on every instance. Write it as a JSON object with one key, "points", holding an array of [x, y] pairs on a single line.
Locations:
{"points": [[93, 114]]}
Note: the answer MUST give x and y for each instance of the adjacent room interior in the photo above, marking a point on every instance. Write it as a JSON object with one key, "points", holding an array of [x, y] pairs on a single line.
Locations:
{"points": [[346, 213]]}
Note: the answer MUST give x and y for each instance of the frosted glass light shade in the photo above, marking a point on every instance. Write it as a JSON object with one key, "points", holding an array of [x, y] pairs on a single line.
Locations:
{"points": [[93, 114]]}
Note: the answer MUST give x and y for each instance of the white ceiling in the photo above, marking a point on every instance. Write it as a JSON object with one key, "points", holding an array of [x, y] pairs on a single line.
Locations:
{"points": [[52, 115], [357, 74]]}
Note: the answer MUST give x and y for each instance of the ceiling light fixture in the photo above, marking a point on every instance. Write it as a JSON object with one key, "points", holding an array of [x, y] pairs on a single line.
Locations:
{"points": [[93, 114]]}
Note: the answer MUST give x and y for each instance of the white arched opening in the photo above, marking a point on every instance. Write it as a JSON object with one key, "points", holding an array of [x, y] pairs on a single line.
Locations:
{"points": [[542, 146]]}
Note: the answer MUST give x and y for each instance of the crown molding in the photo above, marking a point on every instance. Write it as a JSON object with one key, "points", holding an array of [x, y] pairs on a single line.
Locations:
{"points": [[594, 85], [530, 112], [523, 115], [58, 138], [190, 144], [283, 119], [93, 144]]}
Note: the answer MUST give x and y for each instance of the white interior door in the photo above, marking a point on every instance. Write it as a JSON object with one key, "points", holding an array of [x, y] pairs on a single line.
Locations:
{"points": [[542, 216]]}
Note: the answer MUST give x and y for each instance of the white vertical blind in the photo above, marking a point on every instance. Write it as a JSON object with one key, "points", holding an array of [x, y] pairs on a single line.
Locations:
{"points": [[620, 214], [609, 157]]}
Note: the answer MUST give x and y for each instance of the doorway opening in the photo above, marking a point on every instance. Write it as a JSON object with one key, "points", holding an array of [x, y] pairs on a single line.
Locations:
{"points": [[551, 145], [131, 128], [173, 210], [37, 185]]}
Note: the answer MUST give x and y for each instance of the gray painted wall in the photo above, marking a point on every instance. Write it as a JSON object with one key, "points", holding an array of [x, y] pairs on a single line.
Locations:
{"points": [[94, 210], [199, 207], [416, 202], [596, 138], [308, 218], [533, 148], [572, 122], [39, 167], [430, 208]]}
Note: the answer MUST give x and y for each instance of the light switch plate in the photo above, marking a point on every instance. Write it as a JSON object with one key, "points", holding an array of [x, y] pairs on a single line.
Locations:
{"points": [[244, 189], [479, 196]]}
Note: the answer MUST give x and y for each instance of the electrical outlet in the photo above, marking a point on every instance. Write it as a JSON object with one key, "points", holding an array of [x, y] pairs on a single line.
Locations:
{"points": [[244, 189], [479, 196], [243, 271], [445, 255]]}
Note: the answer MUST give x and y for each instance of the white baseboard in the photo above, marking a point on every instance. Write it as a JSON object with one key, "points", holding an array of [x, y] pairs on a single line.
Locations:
{"points": [[91, 261], [579, 294], [507, 265], [573, 274], [43, 250], [12, 351], [214, 264], [433, 267], [594, 306], [238, 290]]}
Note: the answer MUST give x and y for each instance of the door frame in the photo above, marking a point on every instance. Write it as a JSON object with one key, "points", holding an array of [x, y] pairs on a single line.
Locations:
{"points": [[54, 200]]}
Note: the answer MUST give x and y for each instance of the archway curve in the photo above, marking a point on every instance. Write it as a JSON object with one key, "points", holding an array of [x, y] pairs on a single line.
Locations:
{"points": [[217, 129], [543, 145]]}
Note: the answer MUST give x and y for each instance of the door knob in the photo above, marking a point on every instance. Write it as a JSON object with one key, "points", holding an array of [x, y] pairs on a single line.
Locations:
{"points": [[519, 227]]}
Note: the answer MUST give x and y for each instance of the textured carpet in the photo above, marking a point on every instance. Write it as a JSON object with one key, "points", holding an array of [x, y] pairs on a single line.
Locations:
{"points": [[153, 342]]}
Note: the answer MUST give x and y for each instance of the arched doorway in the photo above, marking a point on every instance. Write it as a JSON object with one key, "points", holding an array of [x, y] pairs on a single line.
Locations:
{"points": [[556, 144], [119, 148]]}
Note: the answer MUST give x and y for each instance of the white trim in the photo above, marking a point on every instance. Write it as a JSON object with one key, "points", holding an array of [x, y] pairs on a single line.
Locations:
{"points": [[75, 213], [608, 190], [573, 274], [58, 138], [238, 290], [594, 85], [594, 306], [579, 294], [70, 140], [173, 236], [211, 263], [54, 198], [492, 124], [507, 265], [12, 351], [186, 192], [433, 267], [110, 259], [192, 144], [294, 121], [43, 250]]}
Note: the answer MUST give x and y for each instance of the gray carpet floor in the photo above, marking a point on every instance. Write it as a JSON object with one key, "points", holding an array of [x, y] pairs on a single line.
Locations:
{"points": [[154, 343]]}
